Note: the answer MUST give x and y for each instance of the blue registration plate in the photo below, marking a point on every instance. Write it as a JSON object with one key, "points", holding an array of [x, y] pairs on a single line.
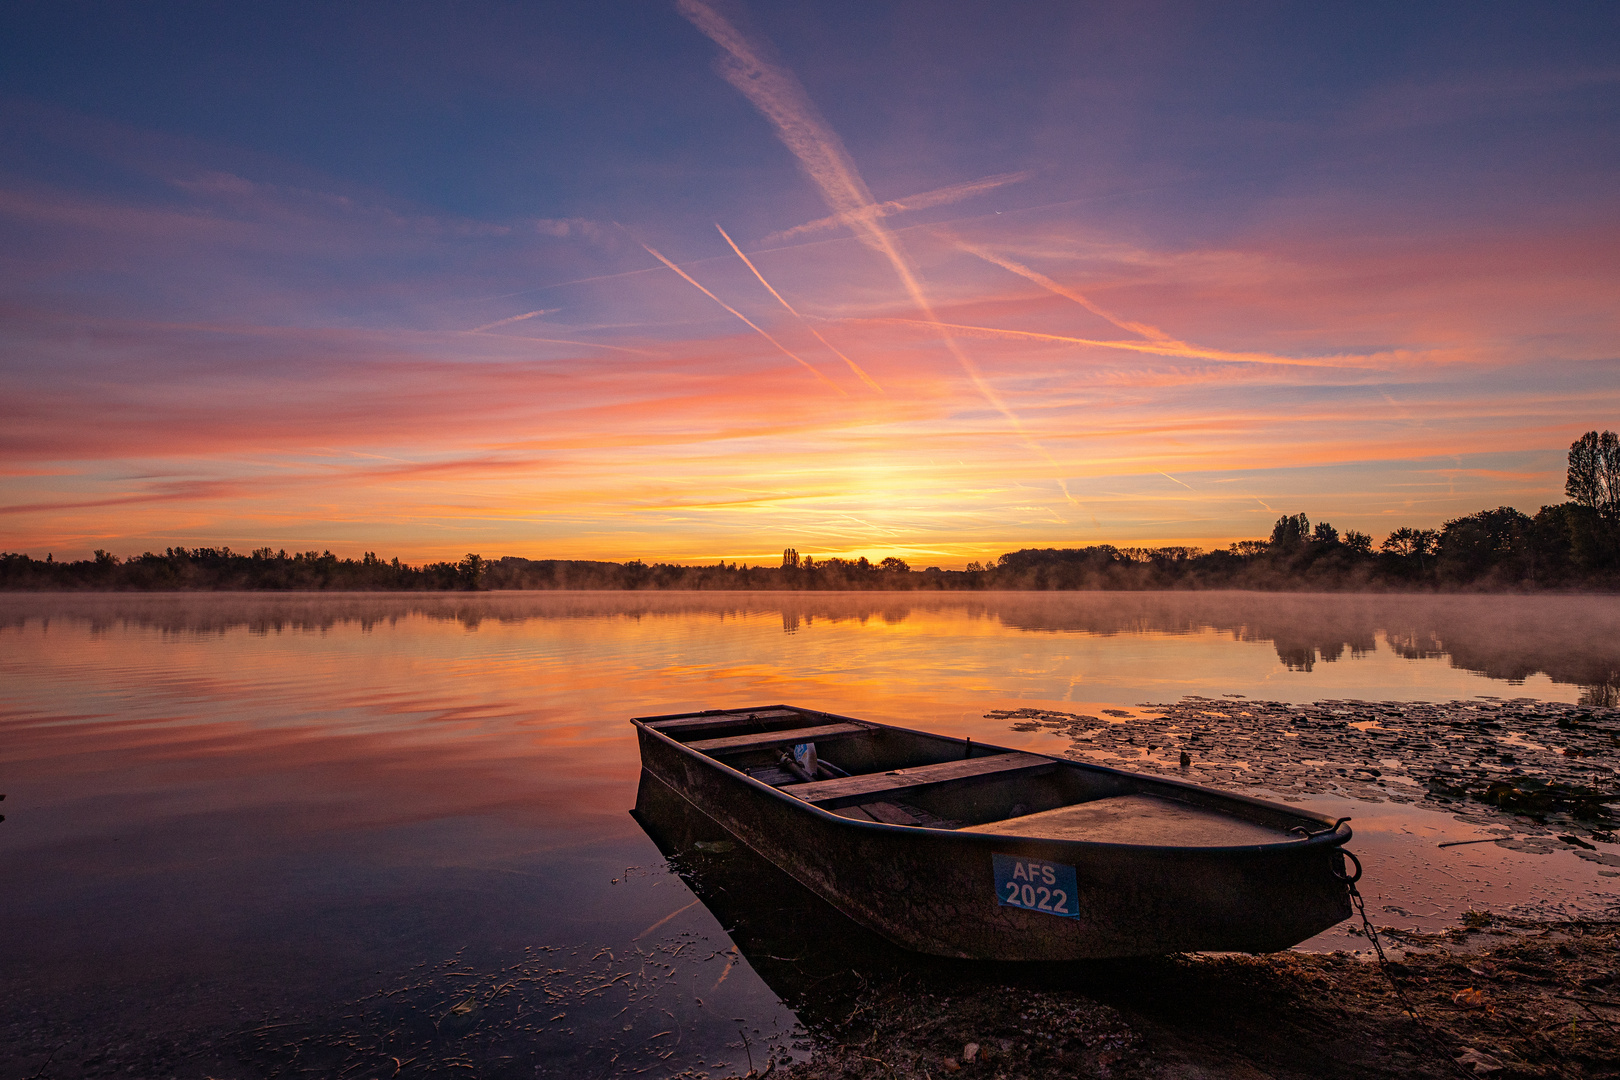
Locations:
{"points": [[1036, 885]]}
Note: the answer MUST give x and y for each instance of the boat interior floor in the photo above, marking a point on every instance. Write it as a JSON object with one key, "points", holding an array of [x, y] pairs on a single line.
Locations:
{"points": [[895, 813], [1136, 819]]}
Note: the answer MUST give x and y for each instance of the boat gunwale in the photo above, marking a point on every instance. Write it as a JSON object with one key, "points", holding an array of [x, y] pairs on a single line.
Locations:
{"points": [[1337, 835]]}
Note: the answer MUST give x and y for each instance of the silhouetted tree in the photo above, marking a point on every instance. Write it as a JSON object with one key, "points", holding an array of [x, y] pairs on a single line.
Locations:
{"points": [[1325, 533], [1573, 541], [1491, 542], [1409, 553], [1289, 532], [894, 565], [1593, 480], [1406, 542]]}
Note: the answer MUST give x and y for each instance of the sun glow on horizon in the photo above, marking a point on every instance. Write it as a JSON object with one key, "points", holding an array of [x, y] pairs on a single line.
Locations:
{"points": [[1028, 351]]}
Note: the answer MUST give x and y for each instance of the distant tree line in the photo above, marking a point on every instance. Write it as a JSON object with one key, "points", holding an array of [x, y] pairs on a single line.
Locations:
{"points": [[181, 568], [1572, 545]]}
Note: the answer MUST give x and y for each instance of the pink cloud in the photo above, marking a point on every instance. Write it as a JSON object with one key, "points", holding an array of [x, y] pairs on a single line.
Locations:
{"points": [[282, 370]]}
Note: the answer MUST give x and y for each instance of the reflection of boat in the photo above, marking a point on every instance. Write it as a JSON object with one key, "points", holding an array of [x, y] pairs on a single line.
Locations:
{"points": [[955, 848], [811, 956]]}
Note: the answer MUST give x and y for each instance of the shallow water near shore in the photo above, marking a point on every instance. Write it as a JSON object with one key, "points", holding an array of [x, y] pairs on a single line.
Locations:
{"points": [[276, 832]]}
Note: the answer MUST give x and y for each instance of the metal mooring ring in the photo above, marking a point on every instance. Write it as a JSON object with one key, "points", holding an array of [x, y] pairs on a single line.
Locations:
{"points": [[1339, 872]]}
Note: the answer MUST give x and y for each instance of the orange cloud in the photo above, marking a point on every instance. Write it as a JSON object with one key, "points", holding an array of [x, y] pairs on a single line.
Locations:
{"points": [[1352, 376]]}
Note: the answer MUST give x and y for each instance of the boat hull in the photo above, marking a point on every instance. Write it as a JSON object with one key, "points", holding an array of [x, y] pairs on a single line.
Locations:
{"points": [[934, 890]]}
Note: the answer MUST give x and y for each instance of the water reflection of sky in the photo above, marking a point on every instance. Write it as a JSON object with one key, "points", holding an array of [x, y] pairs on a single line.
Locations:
{"points": [[246, 806]]}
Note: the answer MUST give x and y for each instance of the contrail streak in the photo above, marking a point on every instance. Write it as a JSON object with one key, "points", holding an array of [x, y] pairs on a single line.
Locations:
{"points": [[777, 94], [548, 340], [1167, 476], [586, 344], [785, 350], [867, 379], [937, 197], [1152, 333], [513, 319], [1155, 348]]}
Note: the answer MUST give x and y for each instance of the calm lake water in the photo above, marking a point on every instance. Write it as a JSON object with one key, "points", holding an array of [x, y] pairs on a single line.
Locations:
{"points": [[261, 831]]}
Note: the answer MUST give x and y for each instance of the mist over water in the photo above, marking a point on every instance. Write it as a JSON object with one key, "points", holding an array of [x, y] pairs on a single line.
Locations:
{"points": [[227, 809], [1132, 644]]}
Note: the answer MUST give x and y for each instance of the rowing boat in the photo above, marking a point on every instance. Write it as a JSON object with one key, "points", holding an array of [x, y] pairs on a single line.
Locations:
{"points": [[957, 848]]}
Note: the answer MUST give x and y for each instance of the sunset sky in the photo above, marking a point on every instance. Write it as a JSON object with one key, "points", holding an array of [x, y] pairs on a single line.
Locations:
{"points": [[695, 281]]}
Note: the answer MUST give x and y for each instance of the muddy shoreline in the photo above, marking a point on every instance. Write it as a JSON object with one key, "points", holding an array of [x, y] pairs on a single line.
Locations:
{"points": [[1496, 995], [1503, 998]]}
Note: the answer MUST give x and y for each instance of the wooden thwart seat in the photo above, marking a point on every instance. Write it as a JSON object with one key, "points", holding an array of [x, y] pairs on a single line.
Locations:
{"points": [[721, 720], [868, 786], [760, 740]]}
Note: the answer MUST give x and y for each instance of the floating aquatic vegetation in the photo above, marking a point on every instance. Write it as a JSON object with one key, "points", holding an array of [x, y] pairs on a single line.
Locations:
{"points": [[1553, 767]]}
